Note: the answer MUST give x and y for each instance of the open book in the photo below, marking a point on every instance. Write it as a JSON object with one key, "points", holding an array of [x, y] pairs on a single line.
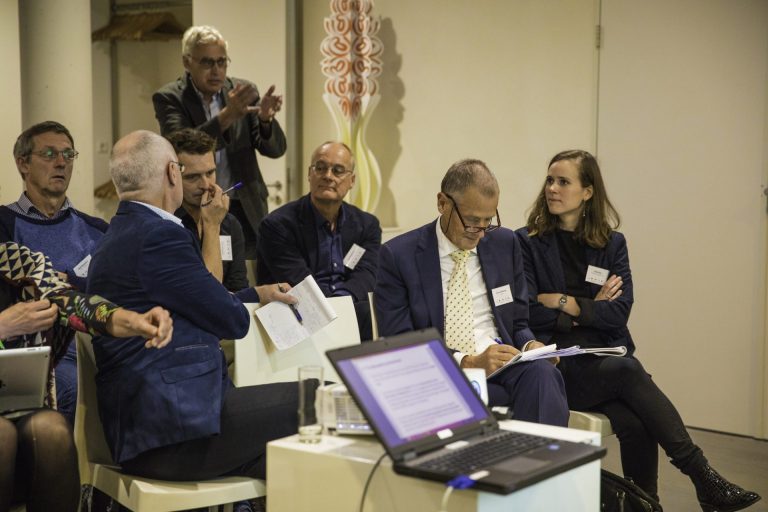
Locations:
{"points": [[286, 326], [550, 351]]}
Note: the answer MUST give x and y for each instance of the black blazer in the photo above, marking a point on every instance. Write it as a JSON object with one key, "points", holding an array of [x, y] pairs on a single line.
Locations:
{"points": [[178, 106], [545, 275], [287, 246]]}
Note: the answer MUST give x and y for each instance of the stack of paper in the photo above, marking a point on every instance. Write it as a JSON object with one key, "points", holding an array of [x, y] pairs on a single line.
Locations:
{"points": [[551, 351], [282, 323]]}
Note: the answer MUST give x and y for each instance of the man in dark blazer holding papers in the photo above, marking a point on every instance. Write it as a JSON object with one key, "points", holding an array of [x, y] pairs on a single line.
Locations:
{"points": [[319, 234], [485, 319], [172, 413]]}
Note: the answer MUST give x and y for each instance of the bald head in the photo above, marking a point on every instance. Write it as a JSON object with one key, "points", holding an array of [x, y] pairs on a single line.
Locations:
{"points": [[138, 164], [331, 145]]}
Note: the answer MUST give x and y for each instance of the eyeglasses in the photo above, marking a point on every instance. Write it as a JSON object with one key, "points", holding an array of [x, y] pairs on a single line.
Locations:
{"points": [[53, 154], [208, 63], [474, 229], [338, 170], [179, 165]]}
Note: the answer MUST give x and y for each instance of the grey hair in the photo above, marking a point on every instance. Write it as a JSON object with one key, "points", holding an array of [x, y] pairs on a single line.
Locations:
{"points": [[469, 173], [137, 162], [200, 34]]}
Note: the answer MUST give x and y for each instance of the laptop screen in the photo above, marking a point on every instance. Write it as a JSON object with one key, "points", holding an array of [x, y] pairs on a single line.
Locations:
{"points": [[412, 391]]}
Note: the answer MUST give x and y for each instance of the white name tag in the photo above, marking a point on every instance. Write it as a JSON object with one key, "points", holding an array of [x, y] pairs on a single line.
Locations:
{"points": [[225, 241], [596, 275], [353, 256], [502, 295], [81, 269]]}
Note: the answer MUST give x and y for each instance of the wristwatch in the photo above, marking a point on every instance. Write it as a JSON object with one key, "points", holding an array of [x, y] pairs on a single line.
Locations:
{"points": [[562, 302]]}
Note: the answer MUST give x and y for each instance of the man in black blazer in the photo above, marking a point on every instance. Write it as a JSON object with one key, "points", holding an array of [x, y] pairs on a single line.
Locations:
{"points": [[231, 111], [320, 234]]}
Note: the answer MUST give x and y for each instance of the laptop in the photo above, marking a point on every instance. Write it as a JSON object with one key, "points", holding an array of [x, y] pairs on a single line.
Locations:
{"points": [[23, 379], [434, 425]]}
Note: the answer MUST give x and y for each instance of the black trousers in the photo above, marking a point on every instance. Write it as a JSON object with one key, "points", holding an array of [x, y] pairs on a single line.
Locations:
{"points": [[250, 417], [641, 415]]}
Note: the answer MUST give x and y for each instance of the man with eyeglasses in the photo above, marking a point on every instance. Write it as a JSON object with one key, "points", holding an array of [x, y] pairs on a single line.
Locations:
{"points": [[45, 220], [320, 234], [204, 208], [232, 112], [463, 274]]}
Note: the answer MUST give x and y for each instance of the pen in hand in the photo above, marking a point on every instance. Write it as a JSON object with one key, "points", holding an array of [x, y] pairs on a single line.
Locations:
{"points": [[234, 187], [292, 306]]}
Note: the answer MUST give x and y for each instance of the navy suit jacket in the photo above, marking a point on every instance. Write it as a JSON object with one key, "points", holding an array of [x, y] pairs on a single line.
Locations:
{"points": [[148, 397], [178, 106], [409, 290], [544, 273], [288, 246]]}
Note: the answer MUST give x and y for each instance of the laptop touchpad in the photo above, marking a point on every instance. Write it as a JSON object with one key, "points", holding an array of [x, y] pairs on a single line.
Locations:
{"points": [[521, 464]]}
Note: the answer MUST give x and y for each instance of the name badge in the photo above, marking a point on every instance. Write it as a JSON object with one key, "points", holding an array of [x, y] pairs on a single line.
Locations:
{"points": [[353, 256], [596, 275], [81, 269], [225, 241], [502, 295]]}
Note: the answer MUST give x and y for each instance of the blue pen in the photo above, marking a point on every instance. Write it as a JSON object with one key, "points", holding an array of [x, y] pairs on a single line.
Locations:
{"points": [[292, 306], [233, 187], [498, 340]]}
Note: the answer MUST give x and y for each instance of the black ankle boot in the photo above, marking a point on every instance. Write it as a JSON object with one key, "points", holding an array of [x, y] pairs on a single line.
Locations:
{"points": [[716, 494]]}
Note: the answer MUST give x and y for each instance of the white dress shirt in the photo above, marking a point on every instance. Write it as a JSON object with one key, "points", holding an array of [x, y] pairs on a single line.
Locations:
{"points": [[484, 324]]}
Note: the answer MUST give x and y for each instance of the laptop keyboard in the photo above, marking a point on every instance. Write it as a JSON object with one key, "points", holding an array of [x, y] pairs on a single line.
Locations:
{"points": [[499, 446]]}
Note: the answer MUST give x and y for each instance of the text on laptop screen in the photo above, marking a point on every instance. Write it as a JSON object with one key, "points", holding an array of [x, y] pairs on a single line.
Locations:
{"points": [[413, 392]]}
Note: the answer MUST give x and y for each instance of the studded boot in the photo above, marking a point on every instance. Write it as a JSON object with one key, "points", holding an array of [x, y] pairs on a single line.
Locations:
{"points": [[716, 494]]}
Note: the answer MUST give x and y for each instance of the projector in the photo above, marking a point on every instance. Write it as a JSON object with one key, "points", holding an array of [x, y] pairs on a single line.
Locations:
{"points": [[340, 414]]}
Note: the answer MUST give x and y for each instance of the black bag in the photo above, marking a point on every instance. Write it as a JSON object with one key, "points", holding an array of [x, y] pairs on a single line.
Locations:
{"points": [[621, 495]]}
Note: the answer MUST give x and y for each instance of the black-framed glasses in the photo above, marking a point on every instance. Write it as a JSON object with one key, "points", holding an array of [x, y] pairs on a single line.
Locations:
{"points": [[179, 165], [53, 154], [339, 171], [208, 63], [474, 229]]}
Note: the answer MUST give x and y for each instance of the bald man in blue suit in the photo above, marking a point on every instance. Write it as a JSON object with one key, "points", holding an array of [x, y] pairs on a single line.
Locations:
{"points": [[413, 282]]}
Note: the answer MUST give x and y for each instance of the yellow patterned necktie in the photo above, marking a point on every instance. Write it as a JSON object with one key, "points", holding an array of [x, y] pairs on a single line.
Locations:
{"points": [[459, 331]]}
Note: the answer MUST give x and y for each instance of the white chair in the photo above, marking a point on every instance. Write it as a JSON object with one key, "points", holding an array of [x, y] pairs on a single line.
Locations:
{"points": [[592, 421], [257, 361], [140, 494]]}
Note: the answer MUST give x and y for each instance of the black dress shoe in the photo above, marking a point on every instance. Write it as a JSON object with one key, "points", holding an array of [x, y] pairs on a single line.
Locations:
{"points": [[716, 494]]}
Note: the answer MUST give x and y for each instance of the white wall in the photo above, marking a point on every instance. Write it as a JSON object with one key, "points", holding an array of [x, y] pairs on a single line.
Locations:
{"points": [[509, 82], [10, 91], [682, 140]]}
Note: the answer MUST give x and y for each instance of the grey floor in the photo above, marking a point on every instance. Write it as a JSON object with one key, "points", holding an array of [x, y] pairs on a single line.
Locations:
{"points": [[742, 460]]}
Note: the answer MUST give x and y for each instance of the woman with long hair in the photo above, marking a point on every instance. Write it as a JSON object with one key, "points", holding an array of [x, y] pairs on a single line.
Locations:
{"points": [[580, 287]]}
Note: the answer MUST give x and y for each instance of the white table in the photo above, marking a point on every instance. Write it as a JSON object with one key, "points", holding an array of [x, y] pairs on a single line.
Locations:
{"points": [[330, 475]]}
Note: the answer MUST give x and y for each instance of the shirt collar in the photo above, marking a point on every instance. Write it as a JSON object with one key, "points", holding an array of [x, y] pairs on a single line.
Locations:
{"points": [[162, 213], [321, 221], [29, 208], [444, 246]]}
